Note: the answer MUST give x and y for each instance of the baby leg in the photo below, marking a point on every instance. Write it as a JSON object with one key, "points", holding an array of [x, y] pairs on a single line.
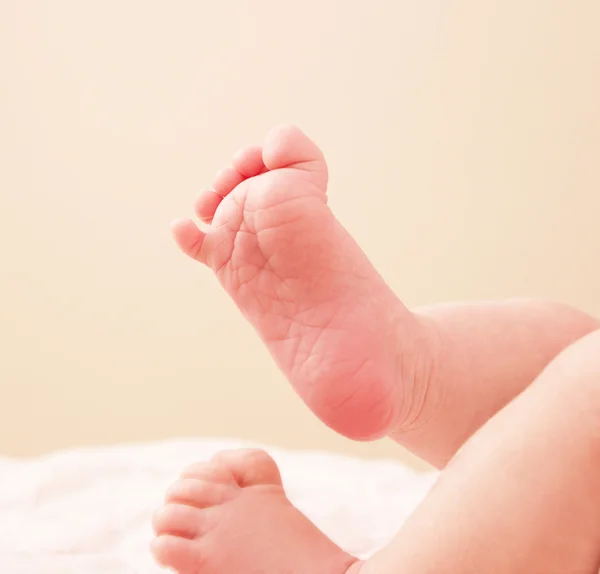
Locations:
{"points": [[365, 364], [522, 495], [487, 353], [520, 498]]}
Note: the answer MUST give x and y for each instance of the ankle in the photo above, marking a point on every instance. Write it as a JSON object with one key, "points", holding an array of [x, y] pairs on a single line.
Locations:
{"points": [[419, 351]]}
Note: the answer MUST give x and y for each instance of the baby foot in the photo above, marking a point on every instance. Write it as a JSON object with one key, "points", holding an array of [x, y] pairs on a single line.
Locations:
{"points": [[349, 347], [231, 515]]}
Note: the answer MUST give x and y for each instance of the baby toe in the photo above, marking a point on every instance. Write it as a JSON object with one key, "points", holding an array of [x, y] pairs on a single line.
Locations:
{"points": [[206, 205], [249, 466], [189, 238], [249, 161], [199, 493], [227, 180], [288, 146], [179, 520], [209, 472], [176, 553]]}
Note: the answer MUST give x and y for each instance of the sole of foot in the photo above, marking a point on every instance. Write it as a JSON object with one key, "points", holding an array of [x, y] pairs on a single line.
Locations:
{"points": [[356, 356]]}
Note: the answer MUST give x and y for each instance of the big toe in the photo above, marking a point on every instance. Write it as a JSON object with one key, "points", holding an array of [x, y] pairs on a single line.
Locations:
{"points": [[250, 467], [287, 146]]}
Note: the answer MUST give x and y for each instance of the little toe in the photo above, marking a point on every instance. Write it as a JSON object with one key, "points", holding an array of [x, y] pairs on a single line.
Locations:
{"points": [[206, 205], [179, 520], [189, 238], [250, 467], [198, 493], [176, 553], [227, 180], [249, 161]]}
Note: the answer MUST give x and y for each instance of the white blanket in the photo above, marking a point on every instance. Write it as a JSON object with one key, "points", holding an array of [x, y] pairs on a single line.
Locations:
{"points": [[88, 511]]}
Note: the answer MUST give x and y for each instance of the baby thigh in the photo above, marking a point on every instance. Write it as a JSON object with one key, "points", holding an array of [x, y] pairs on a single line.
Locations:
{"points": [[523, 495]]}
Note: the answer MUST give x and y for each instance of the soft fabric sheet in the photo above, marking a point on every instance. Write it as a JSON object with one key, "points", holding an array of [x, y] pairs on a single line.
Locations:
{"points": [[88, 511]]}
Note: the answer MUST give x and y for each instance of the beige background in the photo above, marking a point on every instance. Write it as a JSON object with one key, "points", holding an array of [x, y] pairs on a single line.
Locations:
{"points": [[464, 143]]}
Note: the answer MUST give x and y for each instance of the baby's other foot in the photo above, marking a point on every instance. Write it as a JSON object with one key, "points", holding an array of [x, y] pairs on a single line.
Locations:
{"points": [[231, 516], [352, 351]]}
